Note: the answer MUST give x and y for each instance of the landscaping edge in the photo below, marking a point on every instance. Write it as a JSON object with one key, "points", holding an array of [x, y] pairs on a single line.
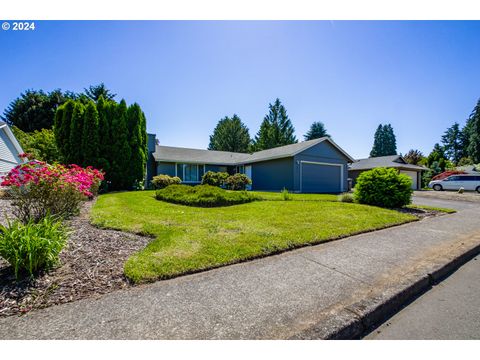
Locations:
{"points": [[357, 320]]}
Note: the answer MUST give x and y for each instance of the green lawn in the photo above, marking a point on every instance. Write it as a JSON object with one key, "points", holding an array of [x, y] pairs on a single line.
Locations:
{"points": [[434, 208], [304, 197], [189, 239]]}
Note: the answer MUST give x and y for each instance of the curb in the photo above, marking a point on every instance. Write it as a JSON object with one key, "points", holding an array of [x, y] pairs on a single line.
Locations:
{"points": [[355, 321]]}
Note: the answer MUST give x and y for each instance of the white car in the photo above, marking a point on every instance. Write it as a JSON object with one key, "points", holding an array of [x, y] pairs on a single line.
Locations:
{"points": [[455, 182]]}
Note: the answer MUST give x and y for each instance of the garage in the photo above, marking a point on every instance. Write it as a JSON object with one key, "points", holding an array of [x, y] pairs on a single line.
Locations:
{"points": [[413, 175], [318, 177]]}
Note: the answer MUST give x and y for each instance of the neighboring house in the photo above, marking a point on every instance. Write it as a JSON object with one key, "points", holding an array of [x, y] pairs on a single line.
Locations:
{"points": [[392, 161], [10, 150], [315, 166]]}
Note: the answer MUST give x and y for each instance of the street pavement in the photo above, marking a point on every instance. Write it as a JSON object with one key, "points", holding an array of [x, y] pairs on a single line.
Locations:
{"points": [[449, 311], [276, 297]]}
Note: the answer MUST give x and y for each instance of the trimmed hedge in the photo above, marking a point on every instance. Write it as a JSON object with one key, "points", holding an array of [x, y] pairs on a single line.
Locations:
{"points": [[162, 181], [214, 178], [203, 196], [237, 182], [383, 187]]}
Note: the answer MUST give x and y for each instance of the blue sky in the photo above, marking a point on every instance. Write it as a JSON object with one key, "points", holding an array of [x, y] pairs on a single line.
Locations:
{"points": [[419, 76]]}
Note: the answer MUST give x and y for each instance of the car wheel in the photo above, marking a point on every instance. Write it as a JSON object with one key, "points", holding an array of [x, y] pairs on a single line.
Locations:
{"points": [[478, 189], [437, 187]]}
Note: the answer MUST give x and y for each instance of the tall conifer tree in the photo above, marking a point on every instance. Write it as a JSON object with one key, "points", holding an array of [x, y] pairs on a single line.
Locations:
{"points": [[121, 145], [276, 129], [74, 152], [90, 136]]}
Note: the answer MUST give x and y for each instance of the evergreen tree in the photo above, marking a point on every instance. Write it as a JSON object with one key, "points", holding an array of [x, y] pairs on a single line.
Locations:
{"points": [[90, 136], [390, 140], [317, 130], [473, 134], [378, 144], [230, 134], [276, 129], [384, 143], [453, 143], [120, 143], [74, 151], [437, 155], [414, 157], [95, 91], [138, 159], [104, 136], [63, 120]]}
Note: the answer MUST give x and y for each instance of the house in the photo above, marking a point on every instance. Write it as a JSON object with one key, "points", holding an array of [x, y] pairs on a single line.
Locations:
{"points": [[392, 161], [315, 166], [10, 150]]}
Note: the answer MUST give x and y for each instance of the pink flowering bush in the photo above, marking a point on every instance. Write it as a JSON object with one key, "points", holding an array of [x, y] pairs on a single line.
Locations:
{"points": [[38, 189]]}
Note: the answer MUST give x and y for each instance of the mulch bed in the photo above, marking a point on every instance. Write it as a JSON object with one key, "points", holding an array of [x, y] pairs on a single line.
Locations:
{"points": [[421, 213], [91, 264]]}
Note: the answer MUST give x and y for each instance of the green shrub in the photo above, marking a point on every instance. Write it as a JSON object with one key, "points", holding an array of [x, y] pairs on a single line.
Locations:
{"points": [[162, 181], [202, 196], [383, 187], [345, 197], [286, 195], [31, 247], [214, 178], [237, 182]]}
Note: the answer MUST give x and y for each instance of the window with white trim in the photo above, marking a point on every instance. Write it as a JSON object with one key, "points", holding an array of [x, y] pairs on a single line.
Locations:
{"points": [[190, 172]]}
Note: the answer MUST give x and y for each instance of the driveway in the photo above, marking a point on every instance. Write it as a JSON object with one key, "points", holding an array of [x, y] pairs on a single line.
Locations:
{"points": [[296, 294], [467, 196], [444, 202]]}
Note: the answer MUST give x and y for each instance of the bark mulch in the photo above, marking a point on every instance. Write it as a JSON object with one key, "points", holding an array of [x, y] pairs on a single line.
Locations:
{"points": [[421, 213], [91, 265]]}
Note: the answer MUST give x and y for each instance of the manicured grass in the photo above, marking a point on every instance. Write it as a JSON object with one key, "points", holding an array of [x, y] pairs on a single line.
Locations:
{"points": [[189, 239], [203, 196], [265, 195], [433, 208]]}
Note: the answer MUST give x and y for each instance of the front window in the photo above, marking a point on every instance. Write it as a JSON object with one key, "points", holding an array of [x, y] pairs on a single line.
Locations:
{"points": [[190, 172]]}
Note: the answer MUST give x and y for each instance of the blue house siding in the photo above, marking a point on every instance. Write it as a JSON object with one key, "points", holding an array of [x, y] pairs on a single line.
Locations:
{"points": [[166, 168], [151, 164], [273, 175], [319, 168], [322, 153]]}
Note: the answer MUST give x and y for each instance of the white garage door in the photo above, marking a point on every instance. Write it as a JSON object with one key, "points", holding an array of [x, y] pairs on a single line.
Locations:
{"points": [[413, 175]]}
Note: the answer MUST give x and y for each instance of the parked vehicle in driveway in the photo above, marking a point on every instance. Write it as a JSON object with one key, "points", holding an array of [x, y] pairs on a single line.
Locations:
{"points": [[455, 182]]}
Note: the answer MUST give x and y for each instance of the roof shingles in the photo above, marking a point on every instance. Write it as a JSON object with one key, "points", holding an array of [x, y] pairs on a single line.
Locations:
{"points": [[177, 154]]}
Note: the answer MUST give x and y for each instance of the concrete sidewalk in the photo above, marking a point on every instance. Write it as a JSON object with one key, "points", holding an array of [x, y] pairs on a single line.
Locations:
{"points": [[305, 293]]}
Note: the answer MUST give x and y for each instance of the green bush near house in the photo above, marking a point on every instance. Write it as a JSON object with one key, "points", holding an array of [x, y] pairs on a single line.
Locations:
{"points": [[214, 178], [203, 196], [237, 182], [32, 247], [162, 181], [383, 187]]}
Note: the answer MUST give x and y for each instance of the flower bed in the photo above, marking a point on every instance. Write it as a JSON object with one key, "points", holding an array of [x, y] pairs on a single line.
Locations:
{"points": [[38, 189]]}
